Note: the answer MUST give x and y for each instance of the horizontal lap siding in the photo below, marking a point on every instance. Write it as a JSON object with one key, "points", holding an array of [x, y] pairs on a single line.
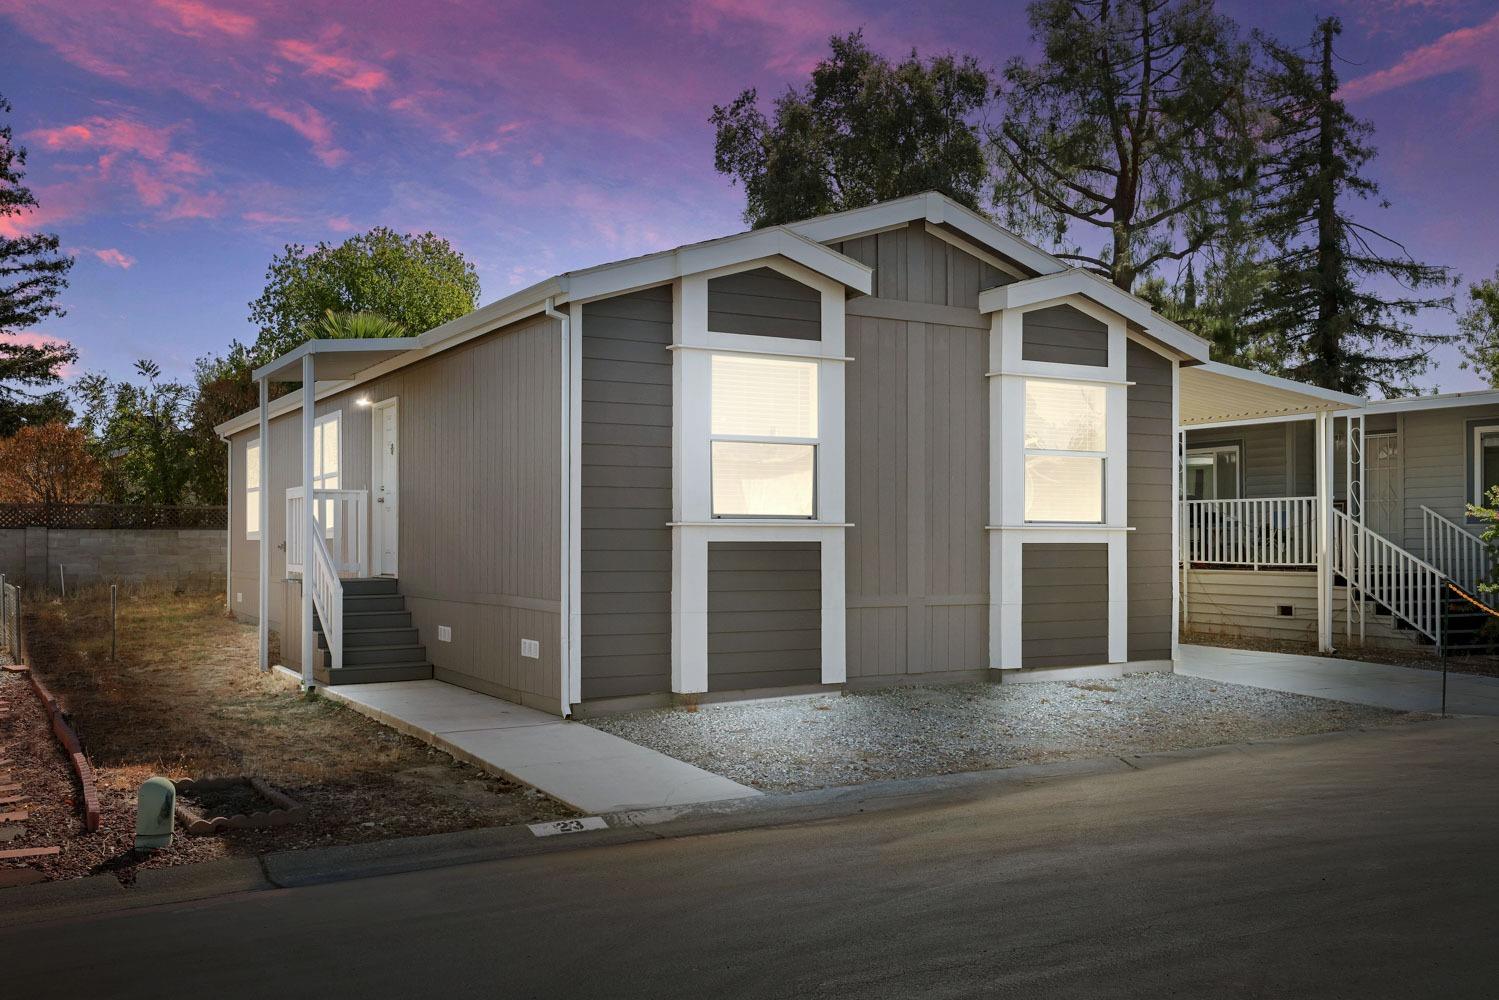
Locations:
{"points": [[626, 495], [1064, 612], [1150, 557], [764, 303], [917, 469], [764, 615], [1437, 452], [1064, 335], [1265, 451]]}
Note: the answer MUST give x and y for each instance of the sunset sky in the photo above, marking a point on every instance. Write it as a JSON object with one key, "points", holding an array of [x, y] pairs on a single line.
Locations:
{"points": [[177, 144]]}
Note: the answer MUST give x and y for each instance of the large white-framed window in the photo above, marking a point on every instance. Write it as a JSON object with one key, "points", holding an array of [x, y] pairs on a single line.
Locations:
{"points": [[1066, 444], [1484, 473], [763, 436], [327, 460], [253, 490], [1215, 473]]}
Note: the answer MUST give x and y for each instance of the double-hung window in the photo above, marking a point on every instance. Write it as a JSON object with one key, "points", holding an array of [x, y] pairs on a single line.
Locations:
{"points": [[1065, 447], [252, 489], [763, 438], [326, 458], [1485, 475]]}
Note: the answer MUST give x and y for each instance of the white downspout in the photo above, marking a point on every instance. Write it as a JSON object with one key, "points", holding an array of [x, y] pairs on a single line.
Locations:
{"points": [[564, 657]]}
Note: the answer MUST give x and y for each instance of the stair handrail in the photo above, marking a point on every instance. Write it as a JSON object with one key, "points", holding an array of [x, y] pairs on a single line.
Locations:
{"points": [[1410, 587], [1459, 553], [327, 596]]}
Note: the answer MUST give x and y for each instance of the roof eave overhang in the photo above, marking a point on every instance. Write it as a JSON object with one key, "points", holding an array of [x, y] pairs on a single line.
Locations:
{"points": [[1075, 281], [1240, 396]]}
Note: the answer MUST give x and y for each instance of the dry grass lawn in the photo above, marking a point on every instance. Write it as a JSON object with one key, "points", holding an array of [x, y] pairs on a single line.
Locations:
{"points": [[183, 698]]}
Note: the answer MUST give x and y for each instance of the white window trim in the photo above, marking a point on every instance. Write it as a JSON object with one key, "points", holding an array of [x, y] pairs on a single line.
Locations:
{"points": [[1475, 456], [252, 530], [1238, 450]]}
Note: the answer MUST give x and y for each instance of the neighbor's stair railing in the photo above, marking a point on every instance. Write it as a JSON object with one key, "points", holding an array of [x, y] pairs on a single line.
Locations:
{"points": [[1276, 531], [1459, 553], [1412, 589]]}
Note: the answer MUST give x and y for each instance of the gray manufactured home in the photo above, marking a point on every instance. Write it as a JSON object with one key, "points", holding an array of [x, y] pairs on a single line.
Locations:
{"points": [[891, 445]]}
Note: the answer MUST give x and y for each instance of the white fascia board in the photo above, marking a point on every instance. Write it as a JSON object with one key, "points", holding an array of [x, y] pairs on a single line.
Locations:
{"points": [[1076, 281], [657, 269], [934, 208], [289, 364], [1442, 401], [1339, 400]]}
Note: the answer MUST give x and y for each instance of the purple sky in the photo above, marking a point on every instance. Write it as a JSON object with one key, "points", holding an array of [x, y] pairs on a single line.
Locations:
{"points": [[177, 144]]}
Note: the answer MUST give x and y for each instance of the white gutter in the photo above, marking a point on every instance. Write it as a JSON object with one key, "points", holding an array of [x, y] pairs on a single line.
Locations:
{"points": [[564, 658]]}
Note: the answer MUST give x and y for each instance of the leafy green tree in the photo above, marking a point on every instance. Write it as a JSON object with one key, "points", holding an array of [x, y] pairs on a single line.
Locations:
{"points": [[143, 433], [1327, 307], [1136, 125], [33, 273], [417, 281], [862, 130], [1479, 327]]}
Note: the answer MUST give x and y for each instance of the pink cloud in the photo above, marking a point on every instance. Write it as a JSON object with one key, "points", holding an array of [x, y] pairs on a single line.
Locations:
{"points": [[340, 224], [345, 70], [794, 33], [1463, 50], [502, 137], [197, 18], [312, 125], [115, 258], [35, 338]]}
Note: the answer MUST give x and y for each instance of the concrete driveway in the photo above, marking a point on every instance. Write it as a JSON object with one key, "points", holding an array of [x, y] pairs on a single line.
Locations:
{"points": [[1402, 688]]}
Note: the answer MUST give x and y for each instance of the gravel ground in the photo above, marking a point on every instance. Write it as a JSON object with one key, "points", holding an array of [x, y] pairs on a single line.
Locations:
{"points": [[801, 743]]}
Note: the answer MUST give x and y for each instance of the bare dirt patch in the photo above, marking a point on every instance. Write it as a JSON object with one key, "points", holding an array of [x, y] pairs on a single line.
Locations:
{"points": [[184, 699]]}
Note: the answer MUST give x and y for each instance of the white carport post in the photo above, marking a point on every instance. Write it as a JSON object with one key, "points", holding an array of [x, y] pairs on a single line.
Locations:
{"points": [[1324, 531], [263, 625], [309, 518]]}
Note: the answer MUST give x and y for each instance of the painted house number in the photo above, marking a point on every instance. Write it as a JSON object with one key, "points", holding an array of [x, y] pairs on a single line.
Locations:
{"points": [[569, 826]]}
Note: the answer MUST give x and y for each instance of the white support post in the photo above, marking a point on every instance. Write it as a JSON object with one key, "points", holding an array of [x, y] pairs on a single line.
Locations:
{"points": [[263, 608], [1363, 548], [1324, 531], [309, 513]]}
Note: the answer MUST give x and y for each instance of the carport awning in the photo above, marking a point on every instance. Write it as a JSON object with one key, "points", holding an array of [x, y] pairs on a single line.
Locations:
{"points": [[1215, 393], [336, 359]]}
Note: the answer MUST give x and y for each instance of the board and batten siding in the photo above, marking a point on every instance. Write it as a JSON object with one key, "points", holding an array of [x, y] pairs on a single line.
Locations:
{"points": [[917, 460], [1151, 560], [1064, 604], [626, 495], [480, 494], [764, 303], [764, 615], [1065, 335]]}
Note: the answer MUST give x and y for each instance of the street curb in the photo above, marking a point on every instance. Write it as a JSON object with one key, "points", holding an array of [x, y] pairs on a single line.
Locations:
{"points": [[284, 870]]}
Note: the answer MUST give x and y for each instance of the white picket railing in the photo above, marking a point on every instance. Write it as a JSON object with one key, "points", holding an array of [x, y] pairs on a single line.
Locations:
{"points": [[1277, 531], [1459, 553], [344, 516], [1410, 588]]}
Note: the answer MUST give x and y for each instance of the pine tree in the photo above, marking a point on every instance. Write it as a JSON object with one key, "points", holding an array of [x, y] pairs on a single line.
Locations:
{"points": [[1326, 321], [32, 274]]}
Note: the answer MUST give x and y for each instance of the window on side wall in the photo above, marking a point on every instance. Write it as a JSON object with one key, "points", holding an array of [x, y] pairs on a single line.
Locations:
{"points": [[252, 489], [1065, 444], [326, 459], [763, 438], [1485, 475], [1213, 473]]}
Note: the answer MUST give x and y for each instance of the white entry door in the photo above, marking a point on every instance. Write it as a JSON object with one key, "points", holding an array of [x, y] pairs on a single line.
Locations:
{"points": [[385, 489]]}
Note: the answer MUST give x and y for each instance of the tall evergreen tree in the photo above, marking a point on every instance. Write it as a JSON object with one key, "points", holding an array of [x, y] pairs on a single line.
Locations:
{"points": [[32, 274], [862, 130], [1134, 126], [1479, 326], [1324, 310]]}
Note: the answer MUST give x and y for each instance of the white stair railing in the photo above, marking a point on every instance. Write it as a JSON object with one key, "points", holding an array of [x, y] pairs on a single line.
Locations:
{"points": [[1410, 588], [344, 515], [328, 597], [1459, 553], [1274, 531]]}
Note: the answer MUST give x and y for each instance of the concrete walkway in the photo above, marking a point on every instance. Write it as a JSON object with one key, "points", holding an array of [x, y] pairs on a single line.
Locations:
{"points": [[573, 763], [1402, 688]]}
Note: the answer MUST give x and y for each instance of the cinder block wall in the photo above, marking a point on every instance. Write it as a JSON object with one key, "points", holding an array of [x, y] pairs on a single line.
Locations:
{"points": [[187, 556]]}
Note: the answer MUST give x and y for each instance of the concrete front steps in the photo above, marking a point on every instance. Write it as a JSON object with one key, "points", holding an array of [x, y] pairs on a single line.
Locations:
{"points": [[380, 643]]}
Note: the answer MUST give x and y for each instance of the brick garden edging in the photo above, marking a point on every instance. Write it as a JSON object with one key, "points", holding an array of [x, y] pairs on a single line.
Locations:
{"points": [[74, 750]]}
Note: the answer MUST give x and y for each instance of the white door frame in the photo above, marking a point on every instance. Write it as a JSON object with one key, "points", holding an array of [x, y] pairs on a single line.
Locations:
{"points": [[377, 461]]}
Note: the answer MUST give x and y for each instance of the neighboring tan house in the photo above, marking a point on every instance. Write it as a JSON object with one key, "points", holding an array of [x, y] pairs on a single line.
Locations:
{"points": [[890, 445], [1400, 536]]}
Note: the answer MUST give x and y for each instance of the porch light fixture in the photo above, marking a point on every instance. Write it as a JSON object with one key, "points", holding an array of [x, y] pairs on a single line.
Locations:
{"points": [[362, 401]]}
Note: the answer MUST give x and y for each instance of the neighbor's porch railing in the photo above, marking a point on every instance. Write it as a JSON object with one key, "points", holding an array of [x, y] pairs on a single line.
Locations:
{"points": [[1277, 531], [1457, 552], [344, 516], [1410, 588]]}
